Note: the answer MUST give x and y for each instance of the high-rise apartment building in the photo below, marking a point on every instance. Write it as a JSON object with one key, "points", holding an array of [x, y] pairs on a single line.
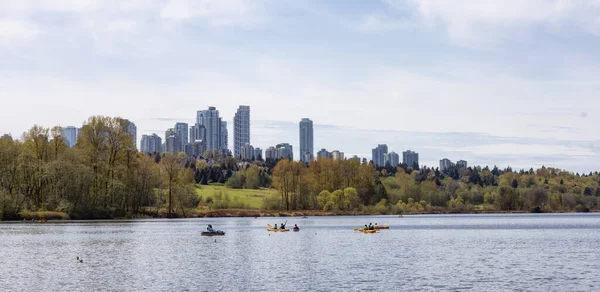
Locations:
{"points": [[198, 148], [461, 164], [306, 140], [212, 126], [197, 132], [247, 152], [70, 135], [323, 153], [271, 153], [391, 159], [224, 139], [181, 131], [410, 158], [285, 150], [378, 153], [151, 143], [337, 155], [445, 164], [258, 154], [132, 131], [173, 144], [241, 129]]}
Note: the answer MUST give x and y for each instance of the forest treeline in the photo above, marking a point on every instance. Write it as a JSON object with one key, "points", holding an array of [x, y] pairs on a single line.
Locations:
{"points": [[335, 185], [105, 176]]}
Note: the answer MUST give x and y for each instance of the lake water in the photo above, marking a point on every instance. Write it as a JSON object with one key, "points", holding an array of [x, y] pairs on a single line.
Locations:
{"points": [[532, 252]]}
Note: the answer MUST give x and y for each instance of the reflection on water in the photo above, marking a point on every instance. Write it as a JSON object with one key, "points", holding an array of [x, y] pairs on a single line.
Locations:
{"points": [[445, 252]]}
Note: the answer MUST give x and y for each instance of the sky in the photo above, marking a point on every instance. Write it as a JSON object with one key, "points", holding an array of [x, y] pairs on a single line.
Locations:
{"points": [[502, 83]]}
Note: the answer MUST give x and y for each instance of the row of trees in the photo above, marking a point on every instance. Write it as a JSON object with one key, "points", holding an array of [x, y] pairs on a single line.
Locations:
{"points": [[103, 176], [405, 189]]}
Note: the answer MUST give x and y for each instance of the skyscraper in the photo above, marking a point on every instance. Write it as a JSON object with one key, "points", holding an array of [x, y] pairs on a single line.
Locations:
{"points": [[212, 126], [247, 152], [151, 143], [181, 131], [392, 158], [224, 138], [241, 129], [323, 153], [172, 141], [378, 153], [197, 132], [70, 135], [258, 154], [271, 153], [337, 155], [132, 131], [306, 140], [410, 158], [285, 150], [445, 164]]}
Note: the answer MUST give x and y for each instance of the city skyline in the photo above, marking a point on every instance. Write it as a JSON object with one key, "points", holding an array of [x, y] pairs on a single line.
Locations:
{"points": [[502, 83]]}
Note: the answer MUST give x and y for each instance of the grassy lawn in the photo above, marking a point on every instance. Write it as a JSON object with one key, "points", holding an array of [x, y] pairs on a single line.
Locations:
{"points": [[252, 198]]}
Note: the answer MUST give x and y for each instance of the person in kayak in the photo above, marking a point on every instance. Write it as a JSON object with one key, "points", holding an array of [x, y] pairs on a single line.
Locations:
{"points": [[210, 228], [275, 226], [371, 226], [366, 227], [296, 226], [282, 226]]}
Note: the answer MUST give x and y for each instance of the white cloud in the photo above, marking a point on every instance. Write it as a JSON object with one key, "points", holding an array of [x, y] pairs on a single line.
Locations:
{"points": [[484, 23], [380, 22], [216, 13], [16, 31]]}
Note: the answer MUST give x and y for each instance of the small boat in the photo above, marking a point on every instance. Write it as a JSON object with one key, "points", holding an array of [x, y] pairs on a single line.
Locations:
{"points": [[368, 231], [296, 229], [304, 217], [43, 220], [277, 229], [216, 233]]}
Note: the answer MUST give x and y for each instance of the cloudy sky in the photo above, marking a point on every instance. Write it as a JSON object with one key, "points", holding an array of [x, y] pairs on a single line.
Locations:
{"points": [[510, 82]]}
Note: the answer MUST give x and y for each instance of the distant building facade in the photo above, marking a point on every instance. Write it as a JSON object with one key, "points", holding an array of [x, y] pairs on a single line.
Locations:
{"points": [[151, 143], [271, 153], [391, 159], [445, 164], [378, 154], [181, 131], [198, 148], [132, 131], [461, 164], [285, 150], [258, 154], [70, 135], [323, 153], [173, 144], [337, 155], [241, 129], [247, 152], [306, 140], [224, 139], [410, 158], [212, 126]]}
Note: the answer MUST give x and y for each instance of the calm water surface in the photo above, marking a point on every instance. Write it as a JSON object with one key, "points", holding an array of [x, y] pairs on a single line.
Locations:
{"points": [[549, 252]]}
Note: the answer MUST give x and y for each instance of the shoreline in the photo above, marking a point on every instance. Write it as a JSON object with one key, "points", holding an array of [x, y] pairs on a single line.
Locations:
{"points": [[249, 213]]}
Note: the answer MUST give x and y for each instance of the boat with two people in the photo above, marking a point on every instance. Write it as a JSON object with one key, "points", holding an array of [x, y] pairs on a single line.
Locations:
{"points": [[212, 232], [276, 229], [367, 229]]}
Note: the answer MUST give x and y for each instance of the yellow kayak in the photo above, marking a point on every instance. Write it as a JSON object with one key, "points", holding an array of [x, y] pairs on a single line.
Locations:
{"points": [[278, 230], [367, 231]]}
